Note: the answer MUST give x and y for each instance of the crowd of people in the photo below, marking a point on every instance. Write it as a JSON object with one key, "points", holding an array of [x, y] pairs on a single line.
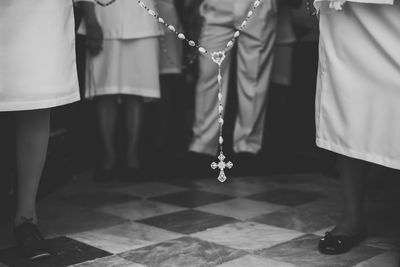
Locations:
{"points": [[132, 60]]}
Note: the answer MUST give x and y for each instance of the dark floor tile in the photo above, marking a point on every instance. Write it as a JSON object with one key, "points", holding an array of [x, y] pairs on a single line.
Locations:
{"points": [[188, 221], [303, 252], [323, 214], [286, 197], [58, 220], [192, 198], [98, 199], [185, 251], [66, 252]]}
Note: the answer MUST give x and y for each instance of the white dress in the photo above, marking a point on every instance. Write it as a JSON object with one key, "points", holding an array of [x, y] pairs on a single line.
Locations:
{"points": [[358, 89], [37, 54], [129, 61]]}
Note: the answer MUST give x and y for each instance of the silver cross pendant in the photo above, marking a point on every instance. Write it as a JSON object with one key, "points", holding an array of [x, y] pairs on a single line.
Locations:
{"points": [[221, 165]]}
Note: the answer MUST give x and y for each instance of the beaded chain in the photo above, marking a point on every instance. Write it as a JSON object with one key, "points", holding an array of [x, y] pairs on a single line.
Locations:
{"points": [[218, 58]]}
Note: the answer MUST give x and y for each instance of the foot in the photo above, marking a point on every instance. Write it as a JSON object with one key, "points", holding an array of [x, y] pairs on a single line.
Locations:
{"points": [[341, 239], [30, 241]]}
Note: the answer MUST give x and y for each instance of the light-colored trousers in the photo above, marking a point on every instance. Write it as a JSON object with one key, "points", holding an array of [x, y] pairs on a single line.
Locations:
{"points": [[254, 65]]}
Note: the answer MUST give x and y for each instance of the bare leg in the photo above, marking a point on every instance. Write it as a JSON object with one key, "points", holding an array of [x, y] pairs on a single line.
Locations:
{"points": [[134, 116], [32, 136], [107, 107], [353, 174]]}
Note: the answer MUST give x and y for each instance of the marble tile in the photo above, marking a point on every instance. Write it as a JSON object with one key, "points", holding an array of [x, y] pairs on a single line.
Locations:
{"points": [[111, 261], [66, 252], [124, 237], [57, 221], [153, 189], [294, 178], [286, 197], [188, 221], [192, 198], [240, 208], [185, 251], [249, 236], [237, 188], [387, 241], [97, 199], [303, 252], [307, 218], [254, 261], [140, 209], [387, 259]]}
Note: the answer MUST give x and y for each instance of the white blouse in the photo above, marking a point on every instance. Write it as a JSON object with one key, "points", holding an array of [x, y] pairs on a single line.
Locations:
{"points": [[125, 19]]}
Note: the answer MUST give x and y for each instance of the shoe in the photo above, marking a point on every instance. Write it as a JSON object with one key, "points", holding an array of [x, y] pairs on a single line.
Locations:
{"points": [[105, 176], [30, 241], [338, 244]]}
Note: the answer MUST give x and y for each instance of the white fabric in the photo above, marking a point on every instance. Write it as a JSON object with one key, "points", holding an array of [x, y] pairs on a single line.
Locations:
{"points": [[171, 46], [128, 67], [125, 19], [326, 5], [358, 90], [37, 54]]}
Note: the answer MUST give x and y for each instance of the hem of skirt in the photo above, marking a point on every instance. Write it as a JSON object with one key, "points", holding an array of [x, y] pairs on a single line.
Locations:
{"points": [[144, 92], [42, 104], [171, 70], [369, 157]]}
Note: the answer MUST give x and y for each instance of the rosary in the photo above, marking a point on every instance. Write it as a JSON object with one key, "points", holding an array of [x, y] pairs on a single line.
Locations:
{"points": [[218, 58]]}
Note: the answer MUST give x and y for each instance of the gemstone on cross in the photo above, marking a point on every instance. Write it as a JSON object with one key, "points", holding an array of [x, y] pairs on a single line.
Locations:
{"points": [[221, 165]]}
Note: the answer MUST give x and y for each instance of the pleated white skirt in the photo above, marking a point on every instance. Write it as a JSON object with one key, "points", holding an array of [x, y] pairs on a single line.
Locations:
{"points": [[125, 66], [358, 88], [37, 54]]}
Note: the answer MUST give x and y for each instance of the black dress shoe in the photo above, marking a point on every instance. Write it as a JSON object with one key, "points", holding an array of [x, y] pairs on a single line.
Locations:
{"points": [[30, 241], [338, 244]]}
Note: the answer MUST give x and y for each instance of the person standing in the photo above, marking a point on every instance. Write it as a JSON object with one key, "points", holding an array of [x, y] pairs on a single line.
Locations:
{"points": [[357, 102], [37, 72], [127, 71], [254, 56]]}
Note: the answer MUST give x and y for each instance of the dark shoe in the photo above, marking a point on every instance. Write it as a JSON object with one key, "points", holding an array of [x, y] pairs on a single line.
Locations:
{"points": [[338, 244], [105, 176], [30, 241]]}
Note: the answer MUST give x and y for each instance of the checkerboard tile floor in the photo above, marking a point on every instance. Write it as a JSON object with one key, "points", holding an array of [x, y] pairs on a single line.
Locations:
{"points": [[249, 221]]}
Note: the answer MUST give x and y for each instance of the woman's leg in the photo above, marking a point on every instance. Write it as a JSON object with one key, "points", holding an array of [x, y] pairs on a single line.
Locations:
{"points": [[107, 107], [134, 116], [353, 174], [32, 136]]}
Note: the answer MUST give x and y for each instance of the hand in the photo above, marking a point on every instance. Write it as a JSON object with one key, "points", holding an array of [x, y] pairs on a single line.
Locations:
{"points": [[94, 37]]}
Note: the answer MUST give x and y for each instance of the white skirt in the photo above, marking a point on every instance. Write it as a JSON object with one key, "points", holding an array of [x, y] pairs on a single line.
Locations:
{"points": [[128, 67], [358, 88], [37, 54]]}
